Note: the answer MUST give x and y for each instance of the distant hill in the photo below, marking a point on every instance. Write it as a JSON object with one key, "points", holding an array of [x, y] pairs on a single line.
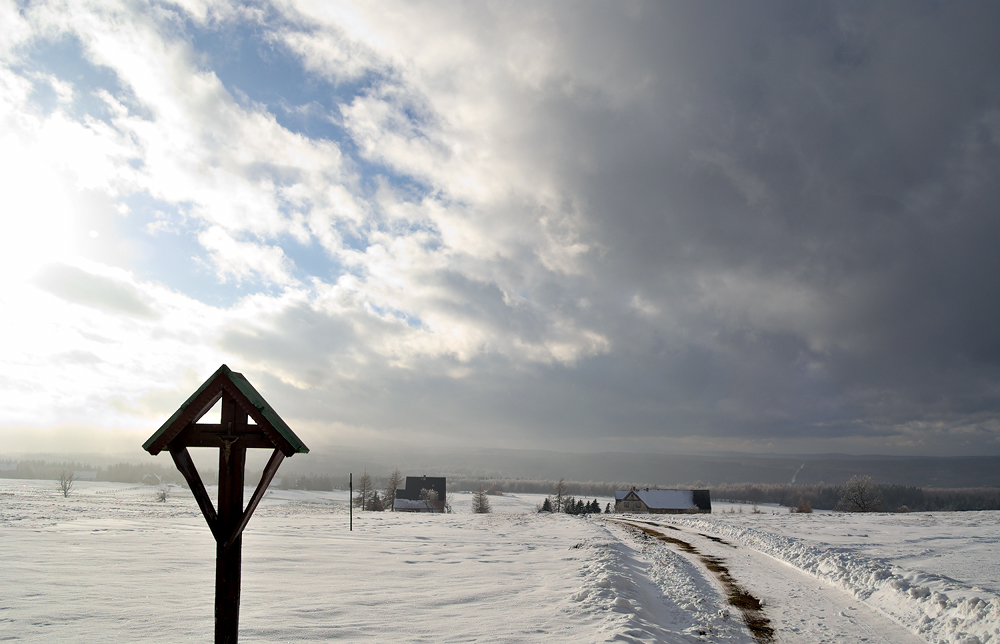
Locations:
{"points": [[669, 469], [705, 470]]}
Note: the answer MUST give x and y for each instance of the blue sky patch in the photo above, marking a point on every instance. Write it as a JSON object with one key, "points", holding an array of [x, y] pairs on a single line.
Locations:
{"points": [[66, 59]]}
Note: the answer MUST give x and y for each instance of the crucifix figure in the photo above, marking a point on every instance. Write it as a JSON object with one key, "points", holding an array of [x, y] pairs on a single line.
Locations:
{"points": [[233, 436]]}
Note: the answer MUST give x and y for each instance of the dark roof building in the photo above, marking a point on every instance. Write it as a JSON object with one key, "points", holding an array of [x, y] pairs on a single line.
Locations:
{"points": [[414, 497], [646, 501]]}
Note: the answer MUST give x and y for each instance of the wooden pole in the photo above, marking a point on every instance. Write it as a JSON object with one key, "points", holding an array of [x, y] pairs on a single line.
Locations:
{"points": [[350, 498], [228, 556]]}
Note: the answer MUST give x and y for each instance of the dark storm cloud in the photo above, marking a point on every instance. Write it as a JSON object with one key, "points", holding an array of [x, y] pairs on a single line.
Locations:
{"points": [[790, 214], [843, 154]]}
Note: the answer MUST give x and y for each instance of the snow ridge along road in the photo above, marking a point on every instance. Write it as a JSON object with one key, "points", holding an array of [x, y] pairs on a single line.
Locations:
{"points": [[939, 609], [749, 606], [800, 609]]}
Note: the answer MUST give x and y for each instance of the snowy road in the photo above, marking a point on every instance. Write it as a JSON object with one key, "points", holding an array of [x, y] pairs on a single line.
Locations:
{"points": [[801, 608]]}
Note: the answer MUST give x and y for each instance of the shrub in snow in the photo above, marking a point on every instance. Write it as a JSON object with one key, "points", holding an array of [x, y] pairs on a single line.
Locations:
{"points": [[803, 507]]}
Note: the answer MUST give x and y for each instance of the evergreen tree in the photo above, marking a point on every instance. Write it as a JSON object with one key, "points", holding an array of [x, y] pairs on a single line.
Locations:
{"points": [[579, 507], [569, 505], [546, 505], [607, 508], [480, 501]]}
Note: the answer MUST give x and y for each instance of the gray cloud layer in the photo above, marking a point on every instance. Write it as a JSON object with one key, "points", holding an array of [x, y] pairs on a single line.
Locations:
{"points": [[791, 212], [690, 225], [792, 217]]}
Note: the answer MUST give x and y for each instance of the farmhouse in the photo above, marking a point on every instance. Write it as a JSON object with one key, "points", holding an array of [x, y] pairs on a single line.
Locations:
{"points": [[421, 494], [647, 501]]}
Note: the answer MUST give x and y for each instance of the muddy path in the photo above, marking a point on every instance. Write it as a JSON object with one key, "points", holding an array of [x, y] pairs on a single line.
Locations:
{"points": [[750, 607]]}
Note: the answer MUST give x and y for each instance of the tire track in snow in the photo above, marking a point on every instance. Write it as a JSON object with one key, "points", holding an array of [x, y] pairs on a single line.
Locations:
{"points": [[801, 610], [749, 606]]}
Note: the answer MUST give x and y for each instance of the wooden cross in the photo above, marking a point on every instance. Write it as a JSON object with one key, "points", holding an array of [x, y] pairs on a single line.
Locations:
{"points": [[232, 436]]}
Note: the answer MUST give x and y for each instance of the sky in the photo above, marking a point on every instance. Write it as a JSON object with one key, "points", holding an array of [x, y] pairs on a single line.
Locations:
{"points": [[631, 227]]}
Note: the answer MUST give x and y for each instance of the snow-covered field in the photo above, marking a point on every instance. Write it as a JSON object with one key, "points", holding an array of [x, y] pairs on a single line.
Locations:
{"points": [[111, 563]]}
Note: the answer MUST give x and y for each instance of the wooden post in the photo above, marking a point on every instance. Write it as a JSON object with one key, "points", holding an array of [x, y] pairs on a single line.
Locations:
{"points": [[350, 499], [232, 461]]}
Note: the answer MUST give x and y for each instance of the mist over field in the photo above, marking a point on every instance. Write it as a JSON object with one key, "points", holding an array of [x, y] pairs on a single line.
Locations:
{"points": [[662, 470]]}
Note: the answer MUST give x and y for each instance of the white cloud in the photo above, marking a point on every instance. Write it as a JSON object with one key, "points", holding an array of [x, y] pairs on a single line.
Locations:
{"points": [[242, 259]]}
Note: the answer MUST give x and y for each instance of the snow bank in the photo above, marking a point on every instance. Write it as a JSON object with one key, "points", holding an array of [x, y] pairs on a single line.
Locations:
{"points": [[647, 593], [939, 609]]}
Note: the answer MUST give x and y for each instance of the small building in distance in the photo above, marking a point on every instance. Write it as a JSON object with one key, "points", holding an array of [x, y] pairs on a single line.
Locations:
{"points": [[647, 501], [421, 494]]}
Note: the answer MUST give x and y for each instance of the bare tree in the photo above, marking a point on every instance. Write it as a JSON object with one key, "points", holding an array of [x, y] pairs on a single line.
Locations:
{"points": [[395, 480], [161, 494], [66, 482], [480, 501], [428, 497], [363, 491], [559, 492], [860, 495]]}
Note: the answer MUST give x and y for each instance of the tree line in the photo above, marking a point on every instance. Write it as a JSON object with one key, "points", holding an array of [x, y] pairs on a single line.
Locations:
{"points": [[561, 501], [889, 497], [539, 486], [820, 496], [117, 473]]}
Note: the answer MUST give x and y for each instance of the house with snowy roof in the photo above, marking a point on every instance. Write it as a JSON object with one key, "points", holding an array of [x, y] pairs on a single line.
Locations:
{"points": [[647, 501], [421, 494]]}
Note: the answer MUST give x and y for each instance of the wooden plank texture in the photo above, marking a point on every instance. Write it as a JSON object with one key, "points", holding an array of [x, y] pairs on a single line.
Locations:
{"points": [[212, 435], [232, 463]]}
